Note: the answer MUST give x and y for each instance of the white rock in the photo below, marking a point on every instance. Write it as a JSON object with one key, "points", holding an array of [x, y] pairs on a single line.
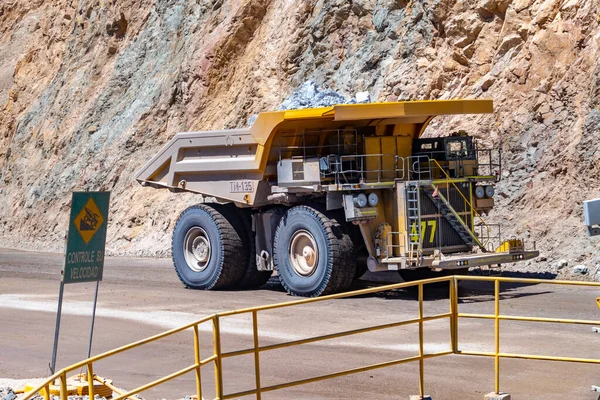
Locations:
{"points": [[562, 263], [580, 269], [363, 97]]}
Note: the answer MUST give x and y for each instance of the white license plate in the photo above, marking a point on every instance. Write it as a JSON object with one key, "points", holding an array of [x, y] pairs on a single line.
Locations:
{"points": [[240, 186]]}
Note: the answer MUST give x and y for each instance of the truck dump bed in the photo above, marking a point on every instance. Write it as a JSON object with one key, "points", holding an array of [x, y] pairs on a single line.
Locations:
{"points": [[235, 165]]}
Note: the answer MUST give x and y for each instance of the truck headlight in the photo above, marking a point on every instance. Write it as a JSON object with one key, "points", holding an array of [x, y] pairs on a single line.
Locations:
{"points": [[360, 200], [373, 199], [489, 191], [479, 192]]}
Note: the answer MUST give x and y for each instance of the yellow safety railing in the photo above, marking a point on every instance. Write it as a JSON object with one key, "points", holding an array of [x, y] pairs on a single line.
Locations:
{"points": [[468, 206], [497, 317], [453, 316]]}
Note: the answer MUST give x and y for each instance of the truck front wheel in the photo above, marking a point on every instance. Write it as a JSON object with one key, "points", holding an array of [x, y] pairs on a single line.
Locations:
{"points": [[313, 255], [208, 252]]}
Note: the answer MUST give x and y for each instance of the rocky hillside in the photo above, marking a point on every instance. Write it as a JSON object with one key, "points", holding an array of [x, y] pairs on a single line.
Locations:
{"points": [[90, 89]]}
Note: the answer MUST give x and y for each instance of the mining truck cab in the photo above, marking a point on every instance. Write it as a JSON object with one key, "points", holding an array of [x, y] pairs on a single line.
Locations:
{"points": [[312, 193]]}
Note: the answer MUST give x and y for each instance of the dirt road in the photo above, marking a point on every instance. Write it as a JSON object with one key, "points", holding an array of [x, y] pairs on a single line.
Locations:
{"points": [[141, 297]]}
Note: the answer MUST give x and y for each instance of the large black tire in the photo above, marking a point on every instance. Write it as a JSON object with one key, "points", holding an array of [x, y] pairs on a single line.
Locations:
{"points": [[361, 253], [208, 251], [328, 268], [241, 221]]}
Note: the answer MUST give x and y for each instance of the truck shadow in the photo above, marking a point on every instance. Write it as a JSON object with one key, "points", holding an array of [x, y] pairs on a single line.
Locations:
{"points": [[469, 291]]}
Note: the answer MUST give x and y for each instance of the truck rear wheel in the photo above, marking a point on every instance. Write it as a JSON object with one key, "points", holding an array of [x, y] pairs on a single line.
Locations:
{"points": [[313, 255], [208, 251]]}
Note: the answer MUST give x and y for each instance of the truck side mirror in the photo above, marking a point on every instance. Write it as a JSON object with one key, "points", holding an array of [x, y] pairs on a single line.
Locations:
{"points": [[591, 216]]}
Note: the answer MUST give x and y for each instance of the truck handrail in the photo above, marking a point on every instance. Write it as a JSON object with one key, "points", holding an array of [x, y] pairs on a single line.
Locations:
{"points": [[474, 212]]}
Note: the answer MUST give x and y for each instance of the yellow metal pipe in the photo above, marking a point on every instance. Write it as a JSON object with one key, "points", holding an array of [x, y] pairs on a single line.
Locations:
{"points": [[421, 364], [156, 382], [454, 314], [63, 385], [197, 359], [476, 316], [238, 395], [256, 353], [449, 181], [454, 330], [338, 374], [470, 202], [46, 393], [497, 336], [208, 360], [334, 335], [525, 280], [136, 344], [530, 357], [336, 296], [551, 358], [45, 385], [90, 380], [218, 360], [353, 371], [445, 181], [112, 387], [532, 319], [476, 353], [237, 353]]}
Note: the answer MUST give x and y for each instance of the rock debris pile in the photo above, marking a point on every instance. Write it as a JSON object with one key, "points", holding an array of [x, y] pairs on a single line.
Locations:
{"points": [[7, 393], [309, 95]]}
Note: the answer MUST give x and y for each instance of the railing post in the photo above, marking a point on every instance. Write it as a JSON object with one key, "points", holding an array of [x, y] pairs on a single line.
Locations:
{"points": [[454, 312], [63, 385], [470, 206], [421, 369], [497, 336], [90, 380], [256, 353], [198, 366], [47, 392], [218, 360]]}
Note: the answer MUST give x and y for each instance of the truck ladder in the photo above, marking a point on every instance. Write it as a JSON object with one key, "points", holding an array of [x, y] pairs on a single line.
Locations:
{"points": [[413, 211], [457, 223]]}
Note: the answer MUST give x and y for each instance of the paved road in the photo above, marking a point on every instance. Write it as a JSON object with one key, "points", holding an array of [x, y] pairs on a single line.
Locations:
{"points": [[141, 297]]}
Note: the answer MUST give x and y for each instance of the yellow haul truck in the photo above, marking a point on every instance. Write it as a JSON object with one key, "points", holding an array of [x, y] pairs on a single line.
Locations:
{"points": [[322, 194]]}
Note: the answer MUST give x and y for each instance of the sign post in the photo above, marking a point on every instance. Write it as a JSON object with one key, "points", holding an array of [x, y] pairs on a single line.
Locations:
{"points": [[84, 254]]}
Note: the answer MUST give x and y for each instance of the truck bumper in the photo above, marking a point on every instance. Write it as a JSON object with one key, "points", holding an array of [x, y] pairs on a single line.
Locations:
{"points": [[467, 261]]}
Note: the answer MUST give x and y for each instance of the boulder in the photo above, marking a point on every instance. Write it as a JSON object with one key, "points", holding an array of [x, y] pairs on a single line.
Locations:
{"points": [[580, 270]]}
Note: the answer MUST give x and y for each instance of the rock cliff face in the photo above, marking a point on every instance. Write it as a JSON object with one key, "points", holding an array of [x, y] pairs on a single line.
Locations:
{"points": [[90, 89]]}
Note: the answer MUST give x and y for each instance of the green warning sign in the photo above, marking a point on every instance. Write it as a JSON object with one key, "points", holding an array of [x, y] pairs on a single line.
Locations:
{"points": [[87, 237]]}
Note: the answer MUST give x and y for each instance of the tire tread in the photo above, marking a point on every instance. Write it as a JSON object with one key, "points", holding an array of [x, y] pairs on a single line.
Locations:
{"points": [[232, 251], [342, 264]]}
